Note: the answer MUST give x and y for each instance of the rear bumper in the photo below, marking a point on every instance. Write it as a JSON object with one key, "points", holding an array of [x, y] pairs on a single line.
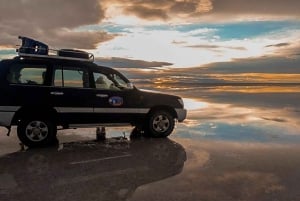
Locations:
{"points": [[6, 118], [7, 114], [181, 114]]}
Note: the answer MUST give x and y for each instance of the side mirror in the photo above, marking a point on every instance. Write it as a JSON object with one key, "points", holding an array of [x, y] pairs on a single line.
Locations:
{"points": [[130, 85]]}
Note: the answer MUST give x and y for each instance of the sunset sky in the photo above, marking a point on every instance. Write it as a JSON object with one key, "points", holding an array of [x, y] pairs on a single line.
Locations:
{"points": [[215, 38]]}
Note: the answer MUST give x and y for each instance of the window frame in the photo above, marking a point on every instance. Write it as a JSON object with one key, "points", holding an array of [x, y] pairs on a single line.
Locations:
{"points": [[22, 66], [62, 68]]}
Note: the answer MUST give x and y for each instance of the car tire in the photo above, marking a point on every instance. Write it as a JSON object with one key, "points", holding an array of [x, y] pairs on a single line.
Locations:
{"points": [[137, 132], [37, 132], [161, 124]]}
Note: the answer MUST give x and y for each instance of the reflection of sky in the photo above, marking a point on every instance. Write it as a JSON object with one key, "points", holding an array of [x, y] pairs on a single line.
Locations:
{"points": [[222, 170], [238, 112], [191, 104], [241, 116]]}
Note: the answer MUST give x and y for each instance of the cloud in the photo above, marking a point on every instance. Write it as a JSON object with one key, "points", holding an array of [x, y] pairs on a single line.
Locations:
{"points": [[276, 119], [186, 7], [255, 65], [83, 40], [146, 12], [129, 63], [175, 42], [279, 45], [214, 47], [266, 7], [206, 10], [163, 10], [53, 21]]}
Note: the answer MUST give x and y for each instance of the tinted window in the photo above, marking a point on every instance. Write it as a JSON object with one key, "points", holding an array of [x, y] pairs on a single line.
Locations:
{"points": [[71, 77], [111, 81], [27, 74], [103, 82]]}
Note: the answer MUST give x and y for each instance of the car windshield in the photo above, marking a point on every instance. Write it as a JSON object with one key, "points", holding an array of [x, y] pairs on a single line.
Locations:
{"points": [[120, 82]]}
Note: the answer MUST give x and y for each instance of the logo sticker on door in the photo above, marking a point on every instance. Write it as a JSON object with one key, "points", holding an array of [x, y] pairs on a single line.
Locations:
{"points": [[115, 101]]}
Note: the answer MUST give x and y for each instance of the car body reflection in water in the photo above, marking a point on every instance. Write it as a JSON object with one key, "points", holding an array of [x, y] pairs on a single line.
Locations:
{"points": [[89, 170]]}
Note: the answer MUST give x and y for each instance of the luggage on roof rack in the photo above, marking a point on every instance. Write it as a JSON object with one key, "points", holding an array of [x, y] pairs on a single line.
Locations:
{"points": [[33, 48], [73, 53], [30, 46]]}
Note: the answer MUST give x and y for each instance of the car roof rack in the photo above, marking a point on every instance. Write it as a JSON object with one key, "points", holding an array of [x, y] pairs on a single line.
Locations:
{"points": [[34, 48]]}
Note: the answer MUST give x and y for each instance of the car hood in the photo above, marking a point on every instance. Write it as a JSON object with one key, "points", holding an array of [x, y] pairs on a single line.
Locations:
{"points": [[160, 98]]}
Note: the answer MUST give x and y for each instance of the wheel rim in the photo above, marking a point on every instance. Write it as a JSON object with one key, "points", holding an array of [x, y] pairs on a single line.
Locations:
{"points": [[37, 131], [161, 123]]}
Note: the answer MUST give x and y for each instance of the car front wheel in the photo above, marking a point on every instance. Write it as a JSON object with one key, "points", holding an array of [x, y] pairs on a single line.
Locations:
{"points": [[161, 124], [36, 132]]}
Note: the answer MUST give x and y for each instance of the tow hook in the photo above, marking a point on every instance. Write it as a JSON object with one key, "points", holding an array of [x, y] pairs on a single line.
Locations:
{"points": [[8, 130]]}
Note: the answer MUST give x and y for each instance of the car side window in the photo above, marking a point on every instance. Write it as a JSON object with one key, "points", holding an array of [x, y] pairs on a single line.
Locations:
{"points": [[101, 81], [71, 77], [27, 74]]}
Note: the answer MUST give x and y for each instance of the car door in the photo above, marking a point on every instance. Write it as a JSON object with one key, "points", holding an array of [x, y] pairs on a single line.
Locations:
{"points": [[27, 87], [114, 102], [71, 94]]}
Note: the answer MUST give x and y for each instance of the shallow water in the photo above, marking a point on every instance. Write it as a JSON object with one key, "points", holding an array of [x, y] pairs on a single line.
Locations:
{"points": [[244, 114], [237, 143]]}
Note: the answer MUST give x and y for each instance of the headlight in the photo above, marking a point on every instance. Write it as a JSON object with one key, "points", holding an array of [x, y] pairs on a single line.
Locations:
{"points": [[181, 102]]}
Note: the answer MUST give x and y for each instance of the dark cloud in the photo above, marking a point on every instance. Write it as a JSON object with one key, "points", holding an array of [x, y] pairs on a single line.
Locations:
{"points": [[204, 46], [214, 47], [161, 10], [183, 7], [279, 45], [214, 10], [51, 14], [83, 40], [146, 12], [280, 120], [51, 21], [266, 7], [129, 63], [255, 65], [178, 42]]}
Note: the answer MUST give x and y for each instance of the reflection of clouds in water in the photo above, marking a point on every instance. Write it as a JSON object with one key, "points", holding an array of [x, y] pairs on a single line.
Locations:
{"points": [[191, 104], [221, 170], [221, 112], [240, 123], [258, 182], [256, 89]]}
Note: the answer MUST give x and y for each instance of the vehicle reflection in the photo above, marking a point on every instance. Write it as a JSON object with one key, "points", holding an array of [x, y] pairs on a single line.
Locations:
{"points": [[89, 170]]}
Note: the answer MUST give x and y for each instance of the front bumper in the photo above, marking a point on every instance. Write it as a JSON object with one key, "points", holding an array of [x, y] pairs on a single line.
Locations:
{"points": [[181, 114]]}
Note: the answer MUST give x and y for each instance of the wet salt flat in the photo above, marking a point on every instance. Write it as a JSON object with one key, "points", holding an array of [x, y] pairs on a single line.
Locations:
{"points": [[238, 143], [244, 114]]}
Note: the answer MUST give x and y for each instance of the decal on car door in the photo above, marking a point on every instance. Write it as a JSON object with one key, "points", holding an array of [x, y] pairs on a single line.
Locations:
{"points": [[115, 101]]}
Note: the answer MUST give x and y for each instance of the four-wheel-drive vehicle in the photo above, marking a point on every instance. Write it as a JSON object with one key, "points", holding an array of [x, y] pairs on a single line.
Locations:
{"points": [[40, 91]]}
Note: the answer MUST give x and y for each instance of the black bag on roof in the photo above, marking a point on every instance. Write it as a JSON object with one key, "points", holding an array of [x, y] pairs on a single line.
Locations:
{"points": [[73, 53], [30, 46]]}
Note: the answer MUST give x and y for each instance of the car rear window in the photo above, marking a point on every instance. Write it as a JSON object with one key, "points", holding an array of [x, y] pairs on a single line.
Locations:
{"points": [[27, 74]]}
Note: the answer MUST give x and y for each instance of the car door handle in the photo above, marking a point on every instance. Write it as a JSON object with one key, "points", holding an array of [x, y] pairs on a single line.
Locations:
{"points": [[102, 95], [57, 93]]}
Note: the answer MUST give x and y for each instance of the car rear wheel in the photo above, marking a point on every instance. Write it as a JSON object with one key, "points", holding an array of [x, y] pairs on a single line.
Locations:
{"points": [[36, 132], [161, 124]]}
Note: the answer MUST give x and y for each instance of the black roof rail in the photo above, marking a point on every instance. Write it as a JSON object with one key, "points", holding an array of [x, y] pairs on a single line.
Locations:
{"points": [[34, 48]]}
